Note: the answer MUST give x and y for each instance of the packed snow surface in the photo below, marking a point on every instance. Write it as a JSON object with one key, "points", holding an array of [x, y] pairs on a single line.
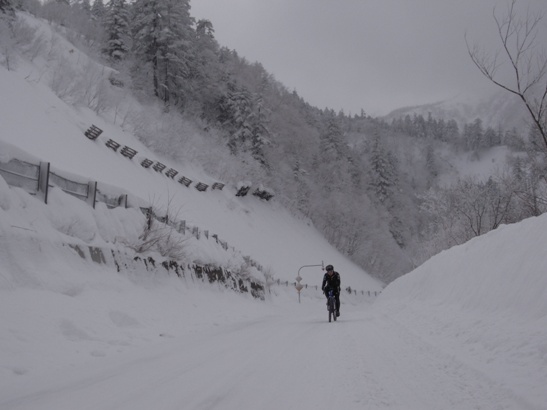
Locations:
{"points": [[463, 331]]}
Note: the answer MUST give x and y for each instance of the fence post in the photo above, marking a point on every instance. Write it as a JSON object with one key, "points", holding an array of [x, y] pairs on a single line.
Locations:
{"points": [[43, 181], [91, 193], [123, 201], [149, 215]]}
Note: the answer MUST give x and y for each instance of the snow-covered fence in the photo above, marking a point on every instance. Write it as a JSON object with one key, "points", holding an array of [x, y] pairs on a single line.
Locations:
{"points": [[112, 201], [200, 186], [146, 163], [38, 178], [348, 290], [33, 178], [93, 132], [243, 188], [171, 173], [263, 193], [196, 273], [82, 190], [128, 152], [158, 167], [185, 181], [113, 145], [90, 192], [181, 227]]}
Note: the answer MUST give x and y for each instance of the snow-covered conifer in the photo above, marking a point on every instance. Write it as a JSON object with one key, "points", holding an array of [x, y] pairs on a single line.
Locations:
{"points": [[117, 28]]}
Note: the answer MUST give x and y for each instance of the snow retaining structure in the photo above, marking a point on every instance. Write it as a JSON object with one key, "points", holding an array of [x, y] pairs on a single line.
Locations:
{"points": [[188, 272], [36, 178], [24, 171]]}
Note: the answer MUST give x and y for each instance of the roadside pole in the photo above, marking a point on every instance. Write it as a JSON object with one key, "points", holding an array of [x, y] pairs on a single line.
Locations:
{"points": [[299, 286]]}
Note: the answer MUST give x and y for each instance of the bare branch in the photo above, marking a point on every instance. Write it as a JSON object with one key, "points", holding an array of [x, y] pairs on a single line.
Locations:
{"points": [[522, 50]]}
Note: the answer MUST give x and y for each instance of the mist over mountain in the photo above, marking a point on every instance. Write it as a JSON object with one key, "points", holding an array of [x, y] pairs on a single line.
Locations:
{"points": [[497, 109]]}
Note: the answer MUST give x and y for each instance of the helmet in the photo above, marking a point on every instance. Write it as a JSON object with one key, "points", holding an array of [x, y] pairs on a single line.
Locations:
{"points": [[329, 267]]}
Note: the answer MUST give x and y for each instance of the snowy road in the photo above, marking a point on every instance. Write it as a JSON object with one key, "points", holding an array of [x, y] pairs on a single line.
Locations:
{"points": [[290, 359]]}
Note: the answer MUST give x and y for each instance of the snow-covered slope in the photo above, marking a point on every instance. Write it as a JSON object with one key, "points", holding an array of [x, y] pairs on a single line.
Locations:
{"points": [[486, 301], [41, 124]]}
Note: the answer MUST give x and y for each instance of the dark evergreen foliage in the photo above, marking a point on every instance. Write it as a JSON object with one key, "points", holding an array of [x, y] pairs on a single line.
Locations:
{"points": [[117, 30], [7, 7], [163, 38], [98, 11]]}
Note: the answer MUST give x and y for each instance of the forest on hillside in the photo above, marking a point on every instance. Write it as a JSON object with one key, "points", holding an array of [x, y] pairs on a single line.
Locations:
{"points": [[374, 188]]}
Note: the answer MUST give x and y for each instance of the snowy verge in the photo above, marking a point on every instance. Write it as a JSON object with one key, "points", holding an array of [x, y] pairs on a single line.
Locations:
{"points": [[484, 302]]}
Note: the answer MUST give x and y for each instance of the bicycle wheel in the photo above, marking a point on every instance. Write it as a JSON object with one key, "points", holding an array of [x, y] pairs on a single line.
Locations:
{"points": [[332, 311]]}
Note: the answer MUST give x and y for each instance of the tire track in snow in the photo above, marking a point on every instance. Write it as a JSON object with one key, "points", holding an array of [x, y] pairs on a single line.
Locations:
{"points": [[396, 369], [291, 360]]}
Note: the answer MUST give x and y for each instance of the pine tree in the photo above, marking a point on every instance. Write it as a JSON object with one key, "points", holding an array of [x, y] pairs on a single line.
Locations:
{"points": [[176, 51], [117, 28], [207, 73], [332, 169], [236, 116], [473, 135], [491, 138], [144, 30], [420, 126], [384, 171], [98, 11], [331, 141], [86, 6], [6, 7], [452, 131], [431, 162], [259, 132], [163, 39]]}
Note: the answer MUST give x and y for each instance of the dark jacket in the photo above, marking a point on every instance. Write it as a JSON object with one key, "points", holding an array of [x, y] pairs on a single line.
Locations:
{"points": [[331, 282]]}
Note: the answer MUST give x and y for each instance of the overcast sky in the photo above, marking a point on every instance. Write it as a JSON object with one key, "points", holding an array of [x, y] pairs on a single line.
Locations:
{"points": [[377, 55]]}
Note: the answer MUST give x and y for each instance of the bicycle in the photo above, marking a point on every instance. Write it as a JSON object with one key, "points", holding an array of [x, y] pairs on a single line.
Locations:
{"points": [[331, 305]]}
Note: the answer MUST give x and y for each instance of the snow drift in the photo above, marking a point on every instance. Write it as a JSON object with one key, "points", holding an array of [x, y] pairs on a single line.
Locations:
{"points": [[488, 296]]}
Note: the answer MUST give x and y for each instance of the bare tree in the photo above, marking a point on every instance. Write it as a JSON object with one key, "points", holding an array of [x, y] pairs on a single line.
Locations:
{"points": [[523, 44], [160, 233]]}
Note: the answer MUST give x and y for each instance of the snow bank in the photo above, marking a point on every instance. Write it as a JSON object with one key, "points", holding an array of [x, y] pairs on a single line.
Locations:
{"points": [[484, 302], [493, 273]]}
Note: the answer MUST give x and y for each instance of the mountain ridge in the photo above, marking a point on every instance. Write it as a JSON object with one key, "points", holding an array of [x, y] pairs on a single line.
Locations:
{"points": [[496, 109]]}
